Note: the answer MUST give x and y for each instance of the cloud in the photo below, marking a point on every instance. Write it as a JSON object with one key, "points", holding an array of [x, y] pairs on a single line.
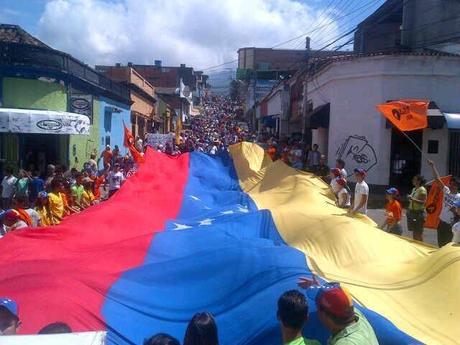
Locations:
{"points": [[200, 33]]}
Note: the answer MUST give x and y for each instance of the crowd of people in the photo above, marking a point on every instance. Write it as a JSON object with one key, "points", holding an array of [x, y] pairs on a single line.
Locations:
{"points": [[345, 323], [31, 200]]}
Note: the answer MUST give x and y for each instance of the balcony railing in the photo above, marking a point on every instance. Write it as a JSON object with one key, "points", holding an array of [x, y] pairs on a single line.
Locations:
{"points": [[19, 55]]}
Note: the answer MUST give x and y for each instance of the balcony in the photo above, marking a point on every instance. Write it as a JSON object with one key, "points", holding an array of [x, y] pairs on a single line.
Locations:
{"points": [[19, 55]]}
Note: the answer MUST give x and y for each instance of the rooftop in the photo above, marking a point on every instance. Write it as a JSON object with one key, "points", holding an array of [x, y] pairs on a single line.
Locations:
{"points": [[15, 34]]}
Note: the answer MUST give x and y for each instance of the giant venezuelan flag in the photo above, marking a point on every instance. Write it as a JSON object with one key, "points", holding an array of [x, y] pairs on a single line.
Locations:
{"points": [[227, 235]]}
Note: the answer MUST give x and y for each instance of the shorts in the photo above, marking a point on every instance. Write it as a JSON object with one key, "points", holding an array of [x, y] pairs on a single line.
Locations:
{"points": [[395, 229], [415, 220]]}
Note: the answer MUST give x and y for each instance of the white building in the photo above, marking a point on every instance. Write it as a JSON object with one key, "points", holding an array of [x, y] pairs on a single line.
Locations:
{"points": [[345, 92]]}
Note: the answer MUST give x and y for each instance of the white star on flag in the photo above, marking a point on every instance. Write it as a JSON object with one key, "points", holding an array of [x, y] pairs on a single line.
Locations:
{"points": [[243, 209], [181, 226], [227, 212], [207, 221], [194, 197]]}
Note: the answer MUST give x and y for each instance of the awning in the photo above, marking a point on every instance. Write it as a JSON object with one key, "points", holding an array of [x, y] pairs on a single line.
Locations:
{"points": [[319, 117], [453, 120], [42, 122]]}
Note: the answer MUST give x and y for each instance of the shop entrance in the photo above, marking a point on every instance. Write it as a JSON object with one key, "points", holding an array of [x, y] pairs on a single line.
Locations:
{"points": [[38, 150], [405, 159]]}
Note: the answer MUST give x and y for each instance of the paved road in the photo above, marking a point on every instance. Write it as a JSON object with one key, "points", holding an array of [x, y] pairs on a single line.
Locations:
{"points": [[378, 215]]}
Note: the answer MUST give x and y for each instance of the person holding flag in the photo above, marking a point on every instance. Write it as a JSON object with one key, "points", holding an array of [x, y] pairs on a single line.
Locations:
{"points": [[416, 209], [447, 215]]}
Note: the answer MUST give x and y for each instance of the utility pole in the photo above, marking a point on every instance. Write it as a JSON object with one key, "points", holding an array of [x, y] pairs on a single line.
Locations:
{"points": [[305, 91]]}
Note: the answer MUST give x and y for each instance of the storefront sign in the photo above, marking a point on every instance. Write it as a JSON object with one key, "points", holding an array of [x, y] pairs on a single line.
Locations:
{"points": [[82, 104], [42, 121]]}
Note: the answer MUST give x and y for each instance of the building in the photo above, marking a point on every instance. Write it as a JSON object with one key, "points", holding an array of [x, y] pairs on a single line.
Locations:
{"points": [[346, 124], [261, 69], [60, 97], [400, 25], [142, 94]]}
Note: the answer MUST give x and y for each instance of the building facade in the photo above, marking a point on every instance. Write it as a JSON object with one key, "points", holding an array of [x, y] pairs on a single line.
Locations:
{"points": [[142, 94], [346, 124], [60, 95]]}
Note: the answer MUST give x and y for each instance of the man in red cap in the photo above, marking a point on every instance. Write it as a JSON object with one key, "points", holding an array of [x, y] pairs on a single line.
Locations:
{"points": [[348, 326]]}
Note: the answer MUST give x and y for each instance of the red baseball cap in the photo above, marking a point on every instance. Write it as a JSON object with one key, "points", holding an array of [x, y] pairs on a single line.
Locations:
{"points": [[335, 171], [341, 181], [336, 301]]}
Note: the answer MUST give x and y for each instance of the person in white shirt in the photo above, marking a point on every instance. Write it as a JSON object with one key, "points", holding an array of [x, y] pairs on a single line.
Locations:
{"points": [[343, 196], [8, 188], [456, 226], [115, 179], [334, 175], [340, 164], [361, 193], [447, 215]]}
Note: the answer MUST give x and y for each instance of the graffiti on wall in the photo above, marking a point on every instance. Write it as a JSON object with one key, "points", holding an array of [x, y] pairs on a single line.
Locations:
{"points": [[356, 152]]}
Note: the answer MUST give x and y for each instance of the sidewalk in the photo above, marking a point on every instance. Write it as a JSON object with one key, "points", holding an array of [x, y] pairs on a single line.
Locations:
{"points": [[378, 216]]}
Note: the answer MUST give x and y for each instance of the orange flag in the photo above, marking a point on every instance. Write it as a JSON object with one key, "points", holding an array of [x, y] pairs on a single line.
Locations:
{"points": [[434, 203], [406, 114], [129, 143]]}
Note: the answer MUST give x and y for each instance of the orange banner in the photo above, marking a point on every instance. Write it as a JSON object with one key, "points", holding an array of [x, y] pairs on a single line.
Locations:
{"points": [[434, 203], [406, 114], [129, 143]]}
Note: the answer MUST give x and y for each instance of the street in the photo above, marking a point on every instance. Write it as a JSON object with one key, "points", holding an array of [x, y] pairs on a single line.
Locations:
{"points": [[378, 215]]}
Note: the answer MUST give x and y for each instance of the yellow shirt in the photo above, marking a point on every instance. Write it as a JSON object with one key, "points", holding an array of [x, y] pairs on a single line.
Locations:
{"points": [[45, 219], [87, 197], [56, 207]]}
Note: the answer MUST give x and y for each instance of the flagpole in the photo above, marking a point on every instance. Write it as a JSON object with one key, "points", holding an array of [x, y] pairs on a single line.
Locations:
{"points": [[413, 142]]}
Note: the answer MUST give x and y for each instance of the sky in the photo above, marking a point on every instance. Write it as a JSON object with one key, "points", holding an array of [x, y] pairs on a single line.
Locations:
{"points": [[200, 33]]}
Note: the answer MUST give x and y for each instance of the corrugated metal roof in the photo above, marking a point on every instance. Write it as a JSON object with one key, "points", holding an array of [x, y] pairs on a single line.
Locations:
{"points": [[15, 34]]}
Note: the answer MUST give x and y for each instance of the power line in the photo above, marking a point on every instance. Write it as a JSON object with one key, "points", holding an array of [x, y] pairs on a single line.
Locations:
{"points": [[364, 7]]}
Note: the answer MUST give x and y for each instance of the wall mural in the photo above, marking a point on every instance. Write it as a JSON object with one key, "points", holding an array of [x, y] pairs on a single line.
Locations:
{"points": [[356, 152]]}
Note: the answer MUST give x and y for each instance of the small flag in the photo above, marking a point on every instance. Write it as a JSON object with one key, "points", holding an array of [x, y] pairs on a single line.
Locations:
{"points": [[406, 114]]}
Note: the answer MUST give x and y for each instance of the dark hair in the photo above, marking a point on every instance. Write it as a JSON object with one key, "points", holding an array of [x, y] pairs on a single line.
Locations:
{"points": [[292, 309], [6, 318], [56, 183], [456, 181], [56, 328], [421, 179], [201, 330], [341, 163], [22, 200], [9, 170], [161, 339]]}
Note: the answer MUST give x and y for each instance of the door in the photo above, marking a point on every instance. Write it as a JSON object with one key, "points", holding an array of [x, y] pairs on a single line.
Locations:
{"points": [[405, 159]]}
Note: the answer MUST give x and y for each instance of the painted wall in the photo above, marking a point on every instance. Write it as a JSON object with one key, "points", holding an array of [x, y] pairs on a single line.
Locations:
{"points": [[33, 94], [111, 123], [81, 146], [357, 131]]}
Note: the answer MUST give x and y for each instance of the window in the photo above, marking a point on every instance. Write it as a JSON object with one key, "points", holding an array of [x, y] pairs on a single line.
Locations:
{"points": [[433, 146]]}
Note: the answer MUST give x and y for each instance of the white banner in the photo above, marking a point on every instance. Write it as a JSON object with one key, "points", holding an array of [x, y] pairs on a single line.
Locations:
{"points": [[84, 338], [154, 140], [42, 121]]}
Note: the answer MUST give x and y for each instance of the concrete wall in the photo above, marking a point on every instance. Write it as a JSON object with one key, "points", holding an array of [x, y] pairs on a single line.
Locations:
{"points": [[357, 131], [115, 130]]}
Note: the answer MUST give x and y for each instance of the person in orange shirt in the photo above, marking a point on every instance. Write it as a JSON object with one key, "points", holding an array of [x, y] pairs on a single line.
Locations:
{"points": [[106, 156], [393, 212]]}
